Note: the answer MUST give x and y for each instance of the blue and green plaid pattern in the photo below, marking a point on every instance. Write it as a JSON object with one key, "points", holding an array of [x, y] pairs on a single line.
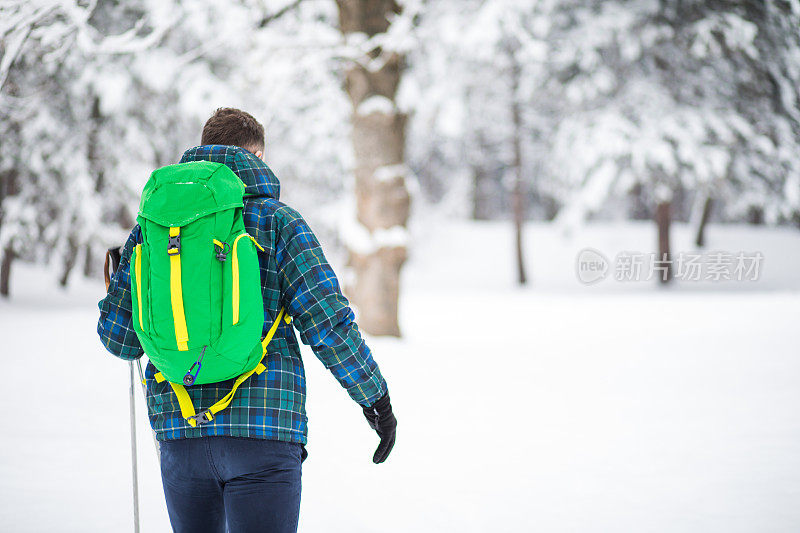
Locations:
{"points": [[295, 275]]}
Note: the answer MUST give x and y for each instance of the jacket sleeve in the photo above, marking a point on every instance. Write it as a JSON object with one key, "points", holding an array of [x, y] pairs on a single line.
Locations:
{"points": [[115, 326], [321, 314]]}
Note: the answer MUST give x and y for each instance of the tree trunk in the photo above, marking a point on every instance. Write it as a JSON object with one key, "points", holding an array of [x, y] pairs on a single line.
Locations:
{"points": [[70, 260], [663, 220], [638, 205], [5, 270], [700, 239], [378, 137], [755, 215], [518, 195], [93, 154], [89, 266], [8, 187], [480, 211]]}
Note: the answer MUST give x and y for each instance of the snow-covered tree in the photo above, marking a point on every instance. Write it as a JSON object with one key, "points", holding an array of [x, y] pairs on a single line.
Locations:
{"points": [[52, 176], [677, 96], [675, 102], [581, 108], [96, 95], [478, 119]]}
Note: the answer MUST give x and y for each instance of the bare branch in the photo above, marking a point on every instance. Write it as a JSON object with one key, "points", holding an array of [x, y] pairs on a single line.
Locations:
{"points": [[14, 37], [278, 14]]}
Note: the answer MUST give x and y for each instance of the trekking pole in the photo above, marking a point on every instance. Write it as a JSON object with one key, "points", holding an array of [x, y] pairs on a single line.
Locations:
{"points": [[144, 392], [133, 455], [110, 266]]}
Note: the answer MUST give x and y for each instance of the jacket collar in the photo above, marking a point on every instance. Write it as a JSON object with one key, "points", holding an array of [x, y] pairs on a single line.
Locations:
{"points": [[257, 177]]}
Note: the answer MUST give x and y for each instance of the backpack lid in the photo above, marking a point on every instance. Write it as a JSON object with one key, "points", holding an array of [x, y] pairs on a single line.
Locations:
{"points": [[176, 195]]}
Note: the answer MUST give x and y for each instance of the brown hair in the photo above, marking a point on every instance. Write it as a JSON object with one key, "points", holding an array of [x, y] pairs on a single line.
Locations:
{"points": [[232, 126]]}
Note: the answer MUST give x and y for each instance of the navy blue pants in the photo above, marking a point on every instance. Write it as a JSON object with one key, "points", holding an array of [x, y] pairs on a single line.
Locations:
{"points": [[246, 484]]}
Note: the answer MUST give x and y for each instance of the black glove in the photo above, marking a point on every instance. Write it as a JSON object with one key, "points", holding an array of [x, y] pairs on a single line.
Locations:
{"points": [[111, 265], [380, 418]]}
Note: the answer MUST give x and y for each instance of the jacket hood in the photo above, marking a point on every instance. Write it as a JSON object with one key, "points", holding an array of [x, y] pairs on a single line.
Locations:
{"points": [[257, 177]]}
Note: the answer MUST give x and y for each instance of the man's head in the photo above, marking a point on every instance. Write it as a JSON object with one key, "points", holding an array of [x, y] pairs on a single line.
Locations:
{"points": [[234, 127]]}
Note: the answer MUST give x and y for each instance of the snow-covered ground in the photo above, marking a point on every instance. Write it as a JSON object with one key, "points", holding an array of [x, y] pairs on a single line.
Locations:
{"points": [[560, 407]]}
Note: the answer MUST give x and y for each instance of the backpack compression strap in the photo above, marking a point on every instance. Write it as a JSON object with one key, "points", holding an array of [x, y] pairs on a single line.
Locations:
{"points": [[185, 402], [176, 288]]}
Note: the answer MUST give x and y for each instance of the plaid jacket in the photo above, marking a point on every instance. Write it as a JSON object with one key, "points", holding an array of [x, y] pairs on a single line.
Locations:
{"points": [[295, 275]]}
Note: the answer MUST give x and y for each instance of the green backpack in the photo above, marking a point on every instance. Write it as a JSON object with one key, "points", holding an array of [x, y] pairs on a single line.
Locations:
{"points": [[196, 286]]}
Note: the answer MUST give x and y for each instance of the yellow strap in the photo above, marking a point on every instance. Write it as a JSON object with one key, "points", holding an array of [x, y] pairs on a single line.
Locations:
{"points": [[185, 402], [219, 243], [226, 400], [272, 330], [255, 242], [235, 274], [137, 267], [235, 279], [176, 295], [260, 367]]}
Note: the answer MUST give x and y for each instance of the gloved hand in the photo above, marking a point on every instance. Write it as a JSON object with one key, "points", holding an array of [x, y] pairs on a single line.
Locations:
{"points": [[380, 418], [111, 265]]}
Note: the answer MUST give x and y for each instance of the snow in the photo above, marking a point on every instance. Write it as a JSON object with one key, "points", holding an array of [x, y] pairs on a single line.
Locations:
{"points": [[558, 407], [361, 240], [390, 172], [375, 104]]}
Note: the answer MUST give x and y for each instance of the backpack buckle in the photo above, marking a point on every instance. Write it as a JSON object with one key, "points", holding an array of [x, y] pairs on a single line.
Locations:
{"points": [[174, 245], [202, 417], [221, 252]]}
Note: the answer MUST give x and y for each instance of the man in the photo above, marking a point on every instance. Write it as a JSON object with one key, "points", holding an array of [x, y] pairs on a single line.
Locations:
{"points": [[242, 469]]}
